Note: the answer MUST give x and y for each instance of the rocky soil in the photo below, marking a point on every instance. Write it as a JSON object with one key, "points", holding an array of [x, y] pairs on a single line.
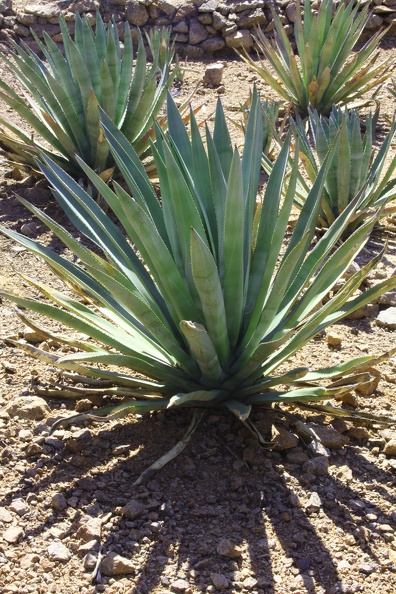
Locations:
{"points": [[225, 515]]}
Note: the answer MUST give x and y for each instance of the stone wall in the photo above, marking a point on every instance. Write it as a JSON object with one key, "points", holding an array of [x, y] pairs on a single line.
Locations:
{"points": [[199, 26]]}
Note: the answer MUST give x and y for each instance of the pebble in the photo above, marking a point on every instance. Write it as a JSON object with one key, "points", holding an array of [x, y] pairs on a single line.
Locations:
{"points": [[367, 568], [227, 548], [57, 551], [90, 561]]}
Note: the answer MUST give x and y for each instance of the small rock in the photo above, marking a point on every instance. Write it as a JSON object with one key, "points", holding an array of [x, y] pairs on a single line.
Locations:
{"points": [[343, 473], [328, 436], [303, 564], [59, 502], [240, 38], [318, 466], [249, 583], [283, 439], [390, 448], [57, 551], [89, 529], [387, 318], [28, 561], [20, 507], [133, 509], [359, 433], [29, 230], [214, 74], [28, 407], [114, 564], [179, 586], [367, 568], [227, 548], [314, 503], [13, 534], [90, 561], [333, 339], [291, 11], [197, 32], [219, 581], [136, 13], [5, 515], [367, 388]]}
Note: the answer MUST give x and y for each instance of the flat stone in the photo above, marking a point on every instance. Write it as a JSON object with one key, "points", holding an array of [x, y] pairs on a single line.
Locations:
{"points": [[57, 551], [114, 564], [28, 407]]}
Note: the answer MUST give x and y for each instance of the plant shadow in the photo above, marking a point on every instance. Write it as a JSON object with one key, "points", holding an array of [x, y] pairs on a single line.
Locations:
{"points": [[221, 487]]}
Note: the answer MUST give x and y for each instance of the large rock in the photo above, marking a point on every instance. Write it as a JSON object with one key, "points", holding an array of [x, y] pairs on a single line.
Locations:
{"points": [[89, 529], [44, 11], [28, 407]]}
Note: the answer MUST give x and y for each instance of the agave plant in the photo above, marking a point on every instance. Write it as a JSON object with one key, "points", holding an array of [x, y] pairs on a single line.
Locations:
{"points": [[64, 93], [326, 72], [355, 169], [270, 113], [210, 304]]}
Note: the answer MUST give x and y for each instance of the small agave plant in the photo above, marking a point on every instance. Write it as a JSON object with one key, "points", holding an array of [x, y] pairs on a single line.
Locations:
{"points": [[355, 169], [325, 71], [197, 303], [63, 93]]}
